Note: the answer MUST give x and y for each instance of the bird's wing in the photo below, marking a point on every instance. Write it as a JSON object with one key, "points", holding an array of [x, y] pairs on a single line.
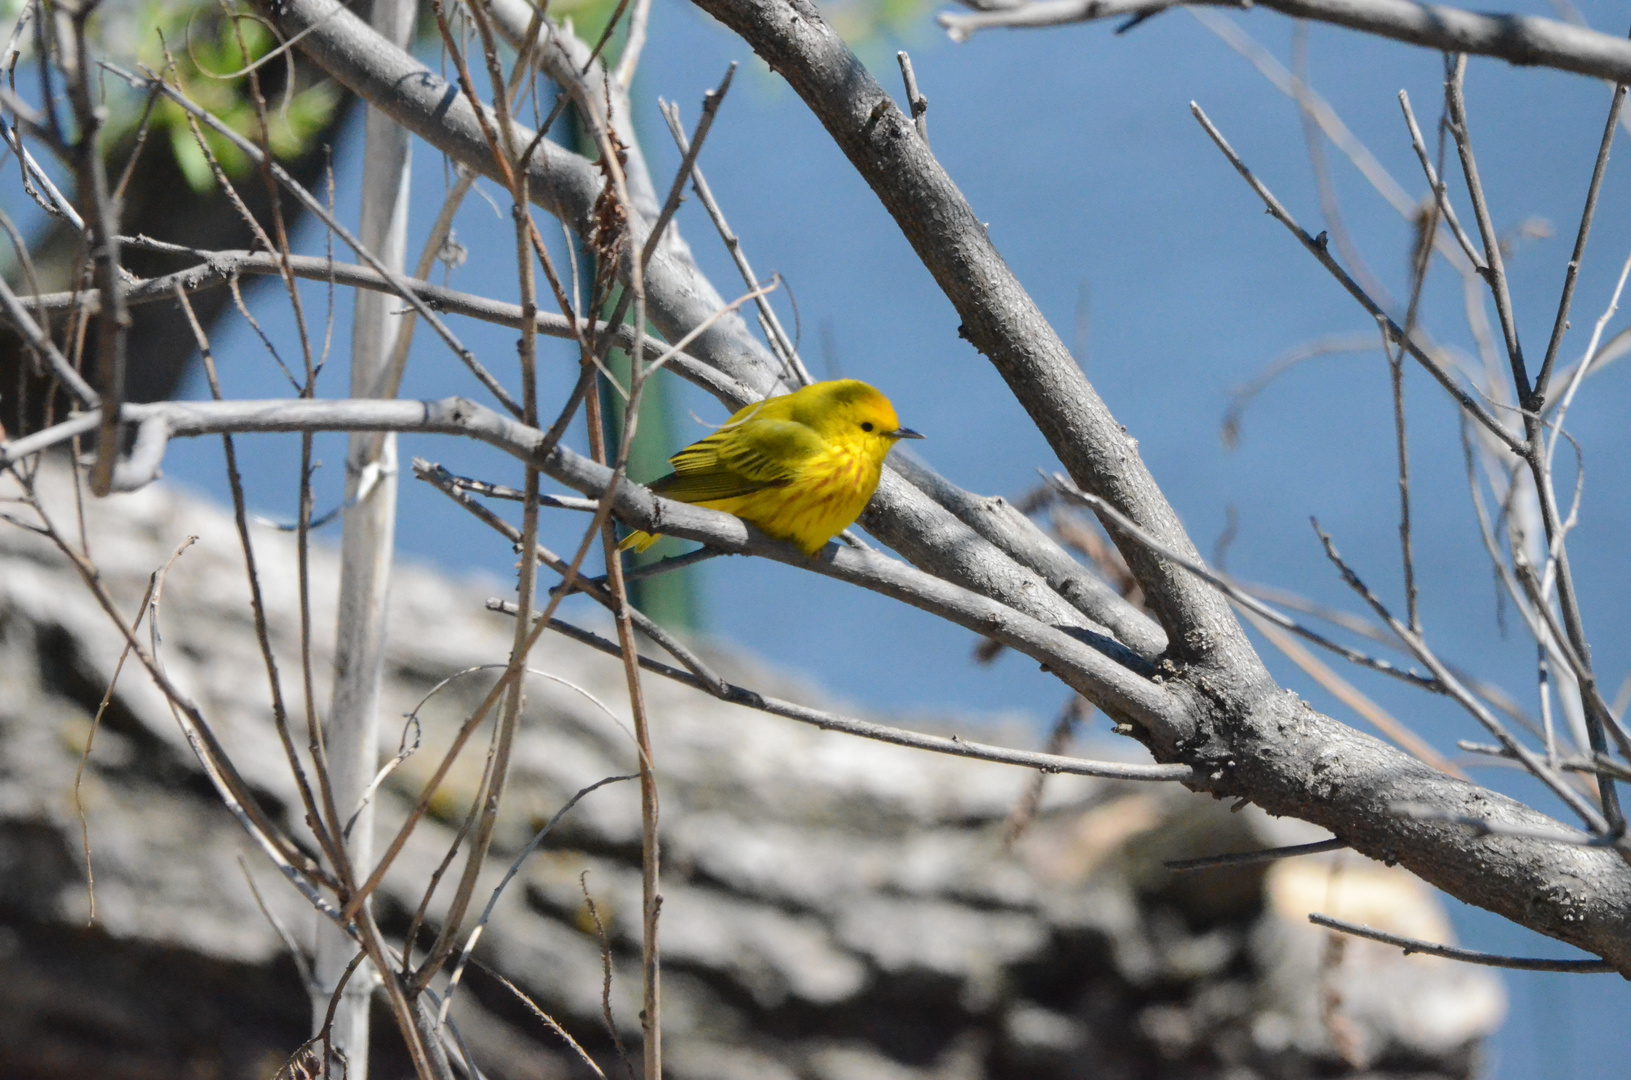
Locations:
{"points": [[739, 460]]}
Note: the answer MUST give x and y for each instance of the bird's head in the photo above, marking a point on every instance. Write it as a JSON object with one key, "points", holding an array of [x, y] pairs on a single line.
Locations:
{"points": [[850, 410]]}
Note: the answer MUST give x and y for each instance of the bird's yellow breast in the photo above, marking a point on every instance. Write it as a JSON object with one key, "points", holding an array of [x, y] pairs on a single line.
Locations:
{"points": [[827, 494]]}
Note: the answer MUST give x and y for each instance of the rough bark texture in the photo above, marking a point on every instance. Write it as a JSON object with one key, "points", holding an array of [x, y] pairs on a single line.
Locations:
{"points": [[834, 909]]}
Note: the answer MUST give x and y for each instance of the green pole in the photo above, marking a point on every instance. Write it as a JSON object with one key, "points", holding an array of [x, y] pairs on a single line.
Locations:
{"points": [[672, 599]]}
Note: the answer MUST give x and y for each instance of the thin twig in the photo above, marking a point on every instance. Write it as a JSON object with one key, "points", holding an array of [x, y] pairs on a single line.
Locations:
{"points": [[605, 942], [318, 210], [955, 746], [780, 343], [1234, 592], [1436, 183], [1450, 952], [1607, 766], [498, 890], [102, 241], [85, 756], [548, 1020], [301, 967], [915, 100], [509, 717], [650, 852], [1494, 272], [1248, 858], [710, 107], [1571, 275], [257, 605], [594, 588], [44, 346], [1025, 810], [629, 59], [1461, 694]]}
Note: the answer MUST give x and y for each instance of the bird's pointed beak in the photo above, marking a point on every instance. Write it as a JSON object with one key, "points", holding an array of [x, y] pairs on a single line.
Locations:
{"points": [[903, 433]]}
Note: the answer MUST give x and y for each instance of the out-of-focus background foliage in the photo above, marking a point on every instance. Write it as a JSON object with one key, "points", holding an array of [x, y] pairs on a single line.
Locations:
{"points": [[1137, 240]]}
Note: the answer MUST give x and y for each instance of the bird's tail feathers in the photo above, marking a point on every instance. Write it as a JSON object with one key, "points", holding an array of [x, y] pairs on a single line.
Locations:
{"points": [[637, 541]]}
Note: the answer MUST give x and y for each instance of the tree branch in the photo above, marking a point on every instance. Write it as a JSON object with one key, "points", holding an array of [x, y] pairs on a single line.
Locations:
{"points": [[1450, 952], [1518, 39], [954, 745], [999, 318]]}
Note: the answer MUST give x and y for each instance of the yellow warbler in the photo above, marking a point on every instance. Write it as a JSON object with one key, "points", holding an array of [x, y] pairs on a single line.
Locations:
{"points": [[800, 466]]}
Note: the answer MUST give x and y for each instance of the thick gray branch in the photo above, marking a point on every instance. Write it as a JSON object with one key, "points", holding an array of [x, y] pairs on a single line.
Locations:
{"points": [[1000, 522], [1293, 762], [1520, 39], [999, 317]]}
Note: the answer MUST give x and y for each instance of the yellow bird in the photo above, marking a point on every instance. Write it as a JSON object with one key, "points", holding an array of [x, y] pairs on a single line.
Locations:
{"points": [[801, 466]]}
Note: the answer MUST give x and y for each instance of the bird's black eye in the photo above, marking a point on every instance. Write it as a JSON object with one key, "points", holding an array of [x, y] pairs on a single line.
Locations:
{"points": [[867, 426]]}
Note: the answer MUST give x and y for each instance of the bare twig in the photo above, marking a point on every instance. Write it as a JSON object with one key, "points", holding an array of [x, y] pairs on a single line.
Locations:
{"points": [[1463, 696], [1248, 858], [605, 942], [44, 346], [1561, 323], [1436, 182], [295, 955], [318, 210], [102, 239], [1030, 801], [594, 588], [629, 59], [1242, 397], [1450, 952], [914, 98], [1234, 592], [1494, 265], [780, 343], [85, 756], [954, 745], [280, 713], [548, 1020], [498, 890], [710, 107]]}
